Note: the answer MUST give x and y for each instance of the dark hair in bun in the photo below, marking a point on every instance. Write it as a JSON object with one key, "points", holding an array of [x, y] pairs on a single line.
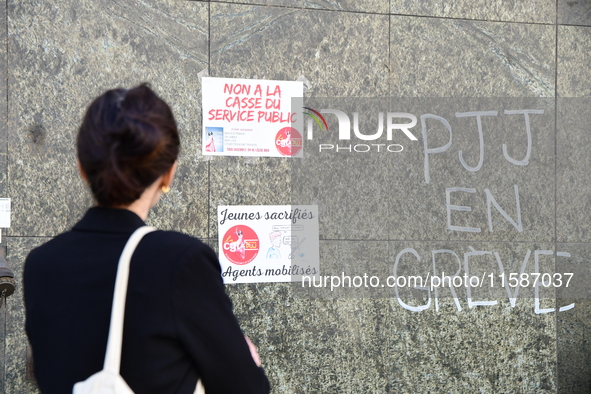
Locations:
{"points": [[128, 138]]}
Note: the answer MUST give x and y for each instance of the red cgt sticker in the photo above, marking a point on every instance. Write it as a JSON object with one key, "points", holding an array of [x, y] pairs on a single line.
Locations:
{"points": [[288, 141], [241, 244]]}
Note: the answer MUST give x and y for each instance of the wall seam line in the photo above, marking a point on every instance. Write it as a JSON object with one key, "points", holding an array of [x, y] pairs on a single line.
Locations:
{"points": [[209, 204], [556, 181]]}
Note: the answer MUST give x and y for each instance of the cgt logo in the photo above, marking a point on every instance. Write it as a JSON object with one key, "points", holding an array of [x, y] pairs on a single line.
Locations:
{"points": [[344, 123], [241, 244], [288, 141]]}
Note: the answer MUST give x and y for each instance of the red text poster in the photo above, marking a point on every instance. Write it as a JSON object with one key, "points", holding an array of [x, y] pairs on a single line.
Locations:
{"points": [[249, 117]]}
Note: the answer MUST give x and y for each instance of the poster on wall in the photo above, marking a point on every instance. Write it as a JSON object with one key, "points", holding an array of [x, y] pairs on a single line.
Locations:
{"points": [[249, 117], [268, 243]]}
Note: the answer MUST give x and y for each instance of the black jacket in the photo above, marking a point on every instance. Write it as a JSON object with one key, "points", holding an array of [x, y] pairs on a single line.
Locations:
{"points": [[178, 325]]}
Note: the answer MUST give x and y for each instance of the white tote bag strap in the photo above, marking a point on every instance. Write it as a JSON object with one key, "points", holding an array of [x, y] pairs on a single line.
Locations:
{"points": [[113, 355]]}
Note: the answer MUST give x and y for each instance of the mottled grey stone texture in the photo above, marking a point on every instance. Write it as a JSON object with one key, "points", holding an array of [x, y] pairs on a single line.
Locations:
{"points": [[469, 350], [574, 12], [572, 132], [299, 333], [3, 174], [311, 344], [372, 345], [454, 58], [3, 102], [350, 188], [574, 349], [573, 199], [340, 53], [371, 6], [349, 259], [574, 66], [572, 327], [247, 181], [314, 345], [2, 349], [541, 11], [16, 339], [63, 54]]}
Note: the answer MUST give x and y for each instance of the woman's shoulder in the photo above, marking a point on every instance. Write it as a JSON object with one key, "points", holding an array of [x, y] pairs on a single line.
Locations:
{"points": [[172, 245], [48, 248], [185, 255], [179, 246], [178, 241]]}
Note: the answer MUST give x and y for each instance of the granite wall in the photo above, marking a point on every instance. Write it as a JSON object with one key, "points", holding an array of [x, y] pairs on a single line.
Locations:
{"points": [[57, 55]]}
